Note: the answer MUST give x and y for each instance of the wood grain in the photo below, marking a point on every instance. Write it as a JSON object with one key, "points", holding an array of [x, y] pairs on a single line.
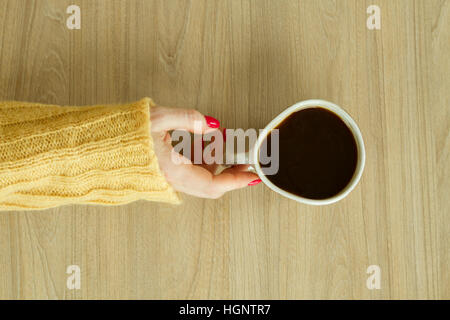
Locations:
{"points": [[243, 62]]}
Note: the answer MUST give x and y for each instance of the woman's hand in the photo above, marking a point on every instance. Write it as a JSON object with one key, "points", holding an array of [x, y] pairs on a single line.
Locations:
{"points": [[196, 180]]}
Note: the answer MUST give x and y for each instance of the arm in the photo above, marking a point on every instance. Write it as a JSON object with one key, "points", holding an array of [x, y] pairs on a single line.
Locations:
{"points": [[105, 154], [52, 155]]}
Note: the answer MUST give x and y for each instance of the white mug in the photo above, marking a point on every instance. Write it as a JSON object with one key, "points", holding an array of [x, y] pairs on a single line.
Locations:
{"points": [[253, 157]]}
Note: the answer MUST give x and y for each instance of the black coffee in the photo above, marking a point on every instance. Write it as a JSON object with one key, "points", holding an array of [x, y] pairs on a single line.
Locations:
{"points": [[317, 154]]}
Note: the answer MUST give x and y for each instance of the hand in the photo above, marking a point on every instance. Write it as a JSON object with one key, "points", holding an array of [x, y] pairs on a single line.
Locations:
{"points": [[196, 180]]}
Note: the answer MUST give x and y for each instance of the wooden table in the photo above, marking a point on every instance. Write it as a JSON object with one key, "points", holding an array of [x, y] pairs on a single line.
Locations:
{"points": [[243, 62]]}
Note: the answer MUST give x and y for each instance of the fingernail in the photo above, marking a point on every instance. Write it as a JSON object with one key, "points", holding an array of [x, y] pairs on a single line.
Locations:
{"points": [[211, 122], [254, 182], [224, 134]]}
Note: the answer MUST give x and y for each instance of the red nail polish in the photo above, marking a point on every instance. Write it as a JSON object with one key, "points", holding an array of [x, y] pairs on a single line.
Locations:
{"points": [[211, 122], [254, 182]]}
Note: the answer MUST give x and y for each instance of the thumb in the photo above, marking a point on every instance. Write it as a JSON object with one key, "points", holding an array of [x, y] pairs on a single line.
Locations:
{"points": [[165, 119], [235, 178]]}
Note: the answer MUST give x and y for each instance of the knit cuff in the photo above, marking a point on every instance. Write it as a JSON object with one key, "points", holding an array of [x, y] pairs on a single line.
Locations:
{"points": [[52, 155]]}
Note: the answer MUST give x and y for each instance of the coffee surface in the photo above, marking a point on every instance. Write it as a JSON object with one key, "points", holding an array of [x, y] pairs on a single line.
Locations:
{"points": [[317, 154]]}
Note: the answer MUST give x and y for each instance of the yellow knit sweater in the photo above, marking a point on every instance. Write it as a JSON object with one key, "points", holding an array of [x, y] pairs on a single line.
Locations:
{"points": [[52, 155]]}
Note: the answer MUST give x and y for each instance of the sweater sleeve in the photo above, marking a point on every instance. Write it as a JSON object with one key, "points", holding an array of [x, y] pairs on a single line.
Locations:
{"points": [[52, 155]]}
